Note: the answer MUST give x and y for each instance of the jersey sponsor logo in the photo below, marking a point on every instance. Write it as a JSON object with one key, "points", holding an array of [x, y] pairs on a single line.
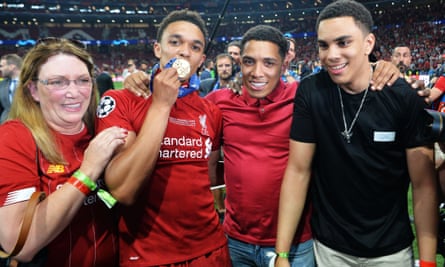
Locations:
{"points": [[193, 146], [19, 195], [106, 106], [185, 148], [55, 168]]}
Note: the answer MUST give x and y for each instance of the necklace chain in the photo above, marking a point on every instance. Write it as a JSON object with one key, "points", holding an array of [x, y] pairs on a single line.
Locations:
{"points": [[347, 133]]}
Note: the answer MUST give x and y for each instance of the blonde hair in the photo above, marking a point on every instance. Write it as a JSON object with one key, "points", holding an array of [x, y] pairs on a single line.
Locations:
{"points": [[28, 111]]}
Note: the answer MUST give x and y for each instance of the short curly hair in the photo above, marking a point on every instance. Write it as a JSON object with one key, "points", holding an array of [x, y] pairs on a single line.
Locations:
{"points": [[182, 15]]}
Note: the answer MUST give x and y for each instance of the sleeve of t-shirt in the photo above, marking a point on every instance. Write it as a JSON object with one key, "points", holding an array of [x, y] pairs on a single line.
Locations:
{"points": [[218, 129], [440, 84], [19, 177], [114, 109], [216, 120], [302, 128], [415, 124]]}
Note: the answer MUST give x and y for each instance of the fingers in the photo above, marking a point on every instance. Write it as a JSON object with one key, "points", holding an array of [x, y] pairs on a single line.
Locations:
{"points": [[101, 148], [166, 87], [419, 85], [426, 94], [385, 73], [104, 144], [110, 135], [137, 83]]}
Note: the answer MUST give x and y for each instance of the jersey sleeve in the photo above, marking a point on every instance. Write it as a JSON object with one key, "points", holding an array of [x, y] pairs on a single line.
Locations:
{"points": [[114, 109], [215, 98], [440, 84], [218, 128], [19, 176]]}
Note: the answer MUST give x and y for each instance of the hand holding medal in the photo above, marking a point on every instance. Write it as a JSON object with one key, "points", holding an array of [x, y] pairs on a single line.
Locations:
{"points": [[182, 66]]}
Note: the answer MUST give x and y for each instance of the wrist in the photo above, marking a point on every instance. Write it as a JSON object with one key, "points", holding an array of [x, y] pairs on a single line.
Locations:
{"points": [[79, 185], [423, 263], [84, 184], [82, 177], [283, 255]]}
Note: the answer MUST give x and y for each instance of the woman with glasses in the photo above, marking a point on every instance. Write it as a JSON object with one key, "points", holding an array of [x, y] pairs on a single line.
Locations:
{"points": [[47, 145]]}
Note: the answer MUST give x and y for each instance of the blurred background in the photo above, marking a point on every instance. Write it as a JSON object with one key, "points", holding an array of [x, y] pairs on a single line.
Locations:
{"points": [[115, 31]]}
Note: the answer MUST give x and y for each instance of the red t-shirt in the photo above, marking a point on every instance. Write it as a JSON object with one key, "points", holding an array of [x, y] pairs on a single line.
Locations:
{"points": [[440, 84], [256, 149], [91, 237], [174, 218]]}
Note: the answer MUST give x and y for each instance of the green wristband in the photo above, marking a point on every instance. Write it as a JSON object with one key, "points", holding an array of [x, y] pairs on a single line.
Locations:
{"points": [[283, 255], [85, 179], [106, 197]]}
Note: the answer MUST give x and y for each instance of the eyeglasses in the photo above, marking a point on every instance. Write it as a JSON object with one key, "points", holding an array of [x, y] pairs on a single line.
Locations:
{"points": [[51, 40], [61, 83]]}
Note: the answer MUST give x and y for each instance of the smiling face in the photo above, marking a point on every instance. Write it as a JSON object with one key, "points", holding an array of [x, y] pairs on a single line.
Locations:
{"points": [[343, 51], [181, 39], [63, 109], [261, 66]]}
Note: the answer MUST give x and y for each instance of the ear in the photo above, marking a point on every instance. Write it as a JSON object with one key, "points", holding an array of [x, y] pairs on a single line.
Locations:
{"points": [[32, 87], [369, 43], [202, 60], [157, 49]]}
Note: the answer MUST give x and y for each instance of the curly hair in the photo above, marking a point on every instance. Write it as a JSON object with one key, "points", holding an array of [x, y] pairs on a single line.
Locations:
{"points": [[182, 15]]}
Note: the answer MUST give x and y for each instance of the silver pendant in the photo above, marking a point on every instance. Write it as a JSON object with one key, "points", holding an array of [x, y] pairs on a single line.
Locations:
{"points": [[347, 135]]}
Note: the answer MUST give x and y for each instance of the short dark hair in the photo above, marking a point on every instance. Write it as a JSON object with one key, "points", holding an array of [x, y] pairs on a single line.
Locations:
{"points": [[183, 15], [13, 59], [208, 62], [348, 8], [400, 45], [266, 33], [236, 43], [291, 40], [224, 55]]}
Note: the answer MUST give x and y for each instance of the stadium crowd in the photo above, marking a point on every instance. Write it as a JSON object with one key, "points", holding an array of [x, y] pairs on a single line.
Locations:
{"points": [[420, 26], [164, 151]]}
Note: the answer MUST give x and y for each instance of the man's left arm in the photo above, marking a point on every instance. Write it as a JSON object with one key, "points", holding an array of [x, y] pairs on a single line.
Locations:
{"points": [[425, 200]]}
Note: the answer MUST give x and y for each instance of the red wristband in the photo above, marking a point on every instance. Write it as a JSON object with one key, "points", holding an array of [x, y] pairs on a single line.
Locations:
{"points": [[423, 263], [79, 185]]}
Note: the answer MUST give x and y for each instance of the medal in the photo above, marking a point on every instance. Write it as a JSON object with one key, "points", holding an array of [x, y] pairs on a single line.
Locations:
{"points": [[182, 67]]}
